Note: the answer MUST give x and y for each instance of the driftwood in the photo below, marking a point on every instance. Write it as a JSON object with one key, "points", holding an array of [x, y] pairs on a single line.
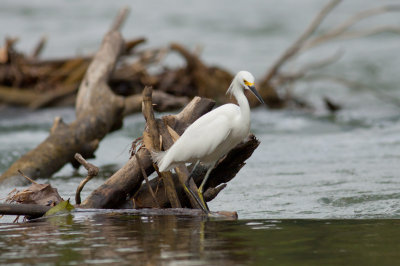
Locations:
{"points": [[33, 210], [162, 102], [26, 80], [279, 79], [124, 184], [181, 171], [44, 196], [92, 123], [34, 83], [121, 186], [40, 194], [92, 172], [225, 170], [152, 143]]}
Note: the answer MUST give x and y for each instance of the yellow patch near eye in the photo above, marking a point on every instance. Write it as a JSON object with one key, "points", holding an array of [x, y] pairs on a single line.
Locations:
{"points": [[248, 83]]}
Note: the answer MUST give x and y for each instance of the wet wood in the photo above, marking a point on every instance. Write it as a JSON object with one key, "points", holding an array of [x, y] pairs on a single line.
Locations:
{"points": [[92, 172], [33, 210], [226, 169], [229, 166], [172, 211], [121, 186], [146, 178], [181, 171], [153, 145]]}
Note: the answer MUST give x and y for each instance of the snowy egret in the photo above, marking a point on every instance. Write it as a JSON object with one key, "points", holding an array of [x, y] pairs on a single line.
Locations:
{"points": [[213, 135]]}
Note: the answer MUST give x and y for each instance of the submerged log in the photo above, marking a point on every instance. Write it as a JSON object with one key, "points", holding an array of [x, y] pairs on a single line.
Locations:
{"points": [[33, 210]]}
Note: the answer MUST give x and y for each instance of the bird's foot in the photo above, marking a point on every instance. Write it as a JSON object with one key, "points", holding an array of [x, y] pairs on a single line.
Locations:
{"points": [[200, 192], [198, 197]]}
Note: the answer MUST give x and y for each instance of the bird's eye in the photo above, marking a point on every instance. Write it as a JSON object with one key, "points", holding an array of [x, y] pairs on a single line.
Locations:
{"points": [[245, 82]]}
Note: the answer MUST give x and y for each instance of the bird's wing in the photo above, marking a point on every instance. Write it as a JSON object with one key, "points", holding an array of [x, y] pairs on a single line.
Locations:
{"points": [[204, 135]]}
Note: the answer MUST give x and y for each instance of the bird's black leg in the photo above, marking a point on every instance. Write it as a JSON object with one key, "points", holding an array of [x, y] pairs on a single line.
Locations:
{"points": [[194, 168], [201, 188], [198, 197]]}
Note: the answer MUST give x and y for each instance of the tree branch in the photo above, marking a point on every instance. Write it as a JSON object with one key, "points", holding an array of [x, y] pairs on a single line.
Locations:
{"points": [[297, 45]]}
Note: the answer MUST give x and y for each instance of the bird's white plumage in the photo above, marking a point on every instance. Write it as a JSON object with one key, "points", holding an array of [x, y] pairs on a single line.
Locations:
{"points": [[214, 134]]}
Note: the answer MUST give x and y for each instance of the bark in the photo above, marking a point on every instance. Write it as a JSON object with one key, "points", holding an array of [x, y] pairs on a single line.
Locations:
{"points": [[92, 172], [226, 169], [162, 102], [120, 187], [92, 122], [33, 210], [181, 171], [16, 96], [153, 144]]}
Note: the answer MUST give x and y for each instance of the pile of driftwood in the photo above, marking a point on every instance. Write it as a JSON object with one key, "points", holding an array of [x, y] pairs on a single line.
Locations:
{"points": [[69, 142], [107, 86], [27, 80]]}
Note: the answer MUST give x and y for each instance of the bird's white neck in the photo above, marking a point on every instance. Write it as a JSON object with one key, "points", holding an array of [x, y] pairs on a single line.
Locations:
{"points": [[242, 101]]}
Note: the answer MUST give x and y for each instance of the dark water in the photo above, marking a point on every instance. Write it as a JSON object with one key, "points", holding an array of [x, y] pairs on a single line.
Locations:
{"points": [[169, 240], [331, 182]]}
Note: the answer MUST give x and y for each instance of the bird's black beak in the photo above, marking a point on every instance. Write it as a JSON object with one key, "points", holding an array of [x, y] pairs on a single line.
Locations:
{"points": [[253, 90]]}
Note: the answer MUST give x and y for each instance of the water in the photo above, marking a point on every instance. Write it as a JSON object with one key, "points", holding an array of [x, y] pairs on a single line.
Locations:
{"points": [[169, 240], [310, 164]]}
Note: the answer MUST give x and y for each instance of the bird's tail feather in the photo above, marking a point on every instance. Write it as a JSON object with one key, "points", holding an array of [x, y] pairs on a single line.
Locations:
{"points": [[158, 158]]}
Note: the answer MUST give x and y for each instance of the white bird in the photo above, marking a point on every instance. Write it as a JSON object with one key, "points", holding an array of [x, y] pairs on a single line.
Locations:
{"points": [[214, 134]]}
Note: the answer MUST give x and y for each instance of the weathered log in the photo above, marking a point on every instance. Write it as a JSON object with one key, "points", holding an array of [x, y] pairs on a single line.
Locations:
{"points": [[28, 81], [195, 78], [225, 170], [91, 125], [54, 97], [41, 194], [92, 172], [229, 166], [32, 210], [162, 102], [151, 139], [39, 210], [117, 189], [146, 178], [16, 96], [181, 171], [122, 185]]}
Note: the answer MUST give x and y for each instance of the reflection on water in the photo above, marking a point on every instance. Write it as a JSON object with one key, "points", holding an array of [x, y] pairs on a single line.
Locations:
{"points": [[124, 239]]}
